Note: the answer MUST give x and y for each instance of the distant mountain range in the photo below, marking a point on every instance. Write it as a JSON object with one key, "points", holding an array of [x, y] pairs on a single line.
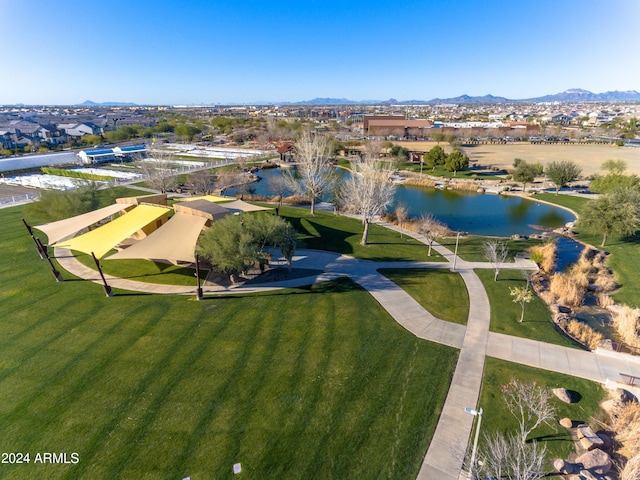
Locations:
{"points": [[89, 103], [571, 95]]}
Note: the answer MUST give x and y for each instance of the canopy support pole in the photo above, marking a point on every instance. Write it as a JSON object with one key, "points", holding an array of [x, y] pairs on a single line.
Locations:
{"points": [[199, 291], [107, 288], [42, 251]]}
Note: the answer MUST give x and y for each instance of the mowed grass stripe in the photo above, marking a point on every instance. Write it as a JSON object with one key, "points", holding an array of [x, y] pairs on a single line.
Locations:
{"points": [[65, 380], [315, 381], [132, 416]]}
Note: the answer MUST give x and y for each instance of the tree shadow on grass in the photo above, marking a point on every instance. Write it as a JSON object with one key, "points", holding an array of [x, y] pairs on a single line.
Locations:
{"points": [[552, 437], [340, 285]]}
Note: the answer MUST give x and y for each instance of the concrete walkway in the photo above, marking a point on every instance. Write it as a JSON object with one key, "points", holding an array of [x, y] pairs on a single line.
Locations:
{"points": [[445, 456]]}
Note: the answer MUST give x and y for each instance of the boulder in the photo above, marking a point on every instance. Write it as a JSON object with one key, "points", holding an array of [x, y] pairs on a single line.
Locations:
{"points": [[563, 394], [564, 467], [566, 422], [588, 439], [596, 462]]}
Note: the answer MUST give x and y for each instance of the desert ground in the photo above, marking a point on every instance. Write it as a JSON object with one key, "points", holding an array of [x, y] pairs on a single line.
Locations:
{"points": [[589, 157]]}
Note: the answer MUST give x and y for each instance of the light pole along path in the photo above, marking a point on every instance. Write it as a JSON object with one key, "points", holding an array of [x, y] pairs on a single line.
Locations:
{"points": [[445, 455]]}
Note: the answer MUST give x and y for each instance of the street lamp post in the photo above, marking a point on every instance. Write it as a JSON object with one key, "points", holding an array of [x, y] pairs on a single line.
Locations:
{"points": [[472, 464], [455, 254]]}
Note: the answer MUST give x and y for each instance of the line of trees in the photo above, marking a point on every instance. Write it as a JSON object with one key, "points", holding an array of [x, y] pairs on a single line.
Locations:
{"points": [[617, 210], [453, 162]]}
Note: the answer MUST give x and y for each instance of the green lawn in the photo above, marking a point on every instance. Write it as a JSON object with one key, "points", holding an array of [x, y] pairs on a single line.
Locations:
{"points": [[145, 270], [441, 171], [312, 382], [441, 292], [624, 260], [625, 253], [496, 417], [326, 231], [573, 203], [537, 324], [470, 248]]}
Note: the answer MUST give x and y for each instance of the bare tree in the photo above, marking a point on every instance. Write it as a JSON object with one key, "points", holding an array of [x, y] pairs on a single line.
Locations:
{"points": [[431, 228], [158, 171], [368, 191], [314, 175], [505, 457], [201, 181], [402, 214], [495, 252], [529, 404], [279, 186], [226, 180]]}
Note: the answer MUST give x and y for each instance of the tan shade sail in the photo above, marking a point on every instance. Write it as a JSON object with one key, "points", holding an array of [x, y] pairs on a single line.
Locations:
{"points": [[240, 206], [174, 241], [103, 239], [62, 229], [209, 198]]}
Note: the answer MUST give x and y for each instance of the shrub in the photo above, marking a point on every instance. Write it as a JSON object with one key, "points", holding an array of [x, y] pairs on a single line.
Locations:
{"points": [[429, 225], [604, 300], [625, 319], [584, 333], [544, 256], [420, 182], [626, 424], [567, 291], [579, 274], [606, 280]]}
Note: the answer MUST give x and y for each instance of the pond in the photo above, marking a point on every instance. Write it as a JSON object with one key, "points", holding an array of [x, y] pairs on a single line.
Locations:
{"points": [[474, 213]]}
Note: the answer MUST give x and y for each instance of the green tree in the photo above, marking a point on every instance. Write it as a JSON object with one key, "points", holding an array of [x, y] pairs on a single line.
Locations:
{"points": [[614, 166], [615, 213], [287, 240], [456, 161], [60, 204], [229, 246], [521, 295], [90, 139], [399, 152], [438, 137], [235, 243], [614, 181], [630, 128], [434, 157], [186, 131], [525, 172], [561, 173]]}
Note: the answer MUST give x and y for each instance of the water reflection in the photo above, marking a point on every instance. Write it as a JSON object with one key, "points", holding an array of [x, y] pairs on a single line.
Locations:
{"points": [[479, 214]]}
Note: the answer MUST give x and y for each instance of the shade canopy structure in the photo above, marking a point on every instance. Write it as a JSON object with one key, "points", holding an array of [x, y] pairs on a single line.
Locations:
{"points": [[174, 241], [68, 227], [155, 198], [202, 208], [103, 239], [209, 198], [240, 206]]}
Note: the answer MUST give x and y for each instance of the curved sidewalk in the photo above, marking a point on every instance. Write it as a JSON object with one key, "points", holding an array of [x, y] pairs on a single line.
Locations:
{"points": [[445, 456]]}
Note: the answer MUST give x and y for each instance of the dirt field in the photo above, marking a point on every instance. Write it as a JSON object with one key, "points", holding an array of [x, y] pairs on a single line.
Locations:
{"points": [[589, 157]]}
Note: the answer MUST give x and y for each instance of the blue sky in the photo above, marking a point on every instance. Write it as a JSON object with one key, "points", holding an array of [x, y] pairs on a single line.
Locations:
{"points": [[243, 51]]}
